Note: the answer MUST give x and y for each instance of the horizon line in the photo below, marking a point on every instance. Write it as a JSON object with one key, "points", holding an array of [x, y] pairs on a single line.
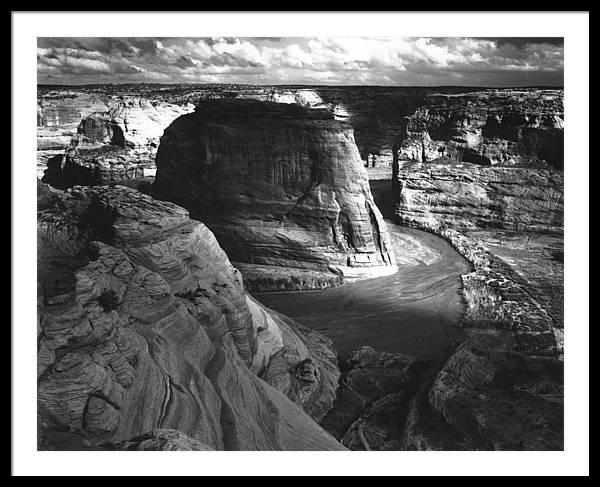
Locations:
{"points": [[296, 84]]}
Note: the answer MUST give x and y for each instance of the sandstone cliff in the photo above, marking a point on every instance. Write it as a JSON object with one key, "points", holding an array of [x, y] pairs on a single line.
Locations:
{"points": [[509, 127], [144, 326], [279, 184], [488, 126], [501, 385], [467, 196], [118, 144], [58, 116]]}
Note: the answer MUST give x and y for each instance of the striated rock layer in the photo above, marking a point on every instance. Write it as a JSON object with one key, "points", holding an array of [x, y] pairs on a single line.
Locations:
{"points": [[486, 126], [466, 197], [501, 385], [509, 127], [144, 326], [118, 144], [279, 184], [58, 116]]}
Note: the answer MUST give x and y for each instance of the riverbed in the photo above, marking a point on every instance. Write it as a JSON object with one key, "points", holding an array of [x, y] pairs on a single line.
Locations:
{"points": [[415, 311]]}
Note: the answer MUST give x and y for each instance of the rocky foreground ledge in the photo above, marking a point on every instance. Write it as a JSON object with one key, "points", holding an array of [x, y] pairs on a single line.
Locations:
{"points": [[147, 340], [501, 385], [280, 185]]}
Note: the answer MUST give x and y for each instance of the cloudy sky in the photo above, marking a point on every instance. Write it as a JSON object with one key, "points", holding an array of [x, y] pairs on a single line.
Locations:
{"points": [[307, 60]]}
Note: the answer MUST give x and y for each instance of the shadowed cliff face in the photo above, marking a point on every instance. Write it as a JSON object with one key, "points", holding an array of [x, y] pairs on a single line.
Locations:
{"points": [[144, 326], [285, 188], [483, 126], [508, 127], [501, 385], [279, 184]]}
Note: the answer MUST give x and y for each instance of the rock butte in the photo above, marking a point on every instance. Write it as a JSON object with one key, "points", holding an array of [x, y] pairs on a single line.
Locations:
{"points": [[279, 184], [58, 116]]}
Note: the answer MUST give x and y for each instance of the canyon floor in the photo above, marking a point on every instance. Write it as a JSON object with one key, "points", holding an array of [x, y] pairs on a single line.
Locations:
{"points": [[415, 311]]}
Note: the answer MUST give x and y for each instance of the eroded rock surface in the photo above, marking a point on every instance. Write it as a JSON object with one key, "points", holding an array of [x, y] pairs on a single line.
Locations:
{"points": [[373, 398], [488, 126], [480, 168], [501, 385], [161, 440], [58, 116], [117, 144], [279, 184], [500, 398], [144, 325], [465, 197], [509, 127]]}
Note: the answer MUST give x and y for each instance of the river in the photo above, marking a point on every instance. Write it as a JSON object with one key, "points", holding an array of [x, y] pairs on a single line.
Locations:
{"points": [[415, 311]]}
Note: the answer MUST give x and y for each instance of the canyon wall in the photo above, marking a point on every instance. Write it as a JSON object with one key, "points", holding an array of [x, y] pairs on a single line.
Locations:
{"points": [[376, 113], [467, 197], [280, 185], [58, 116], [489, 127], [147, 339], [501, 385], [118, 144], [141, 309]]}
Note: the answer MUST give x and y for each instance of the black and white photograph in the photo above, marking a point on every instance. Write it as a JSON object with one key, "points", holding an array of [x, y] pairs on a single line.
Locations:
{"points": [[302, 243]]}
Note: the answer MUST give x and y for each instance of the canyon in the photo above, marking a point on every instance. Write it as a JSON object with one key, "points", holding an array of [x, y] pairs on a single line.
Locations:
{"points": [[322, 268]]}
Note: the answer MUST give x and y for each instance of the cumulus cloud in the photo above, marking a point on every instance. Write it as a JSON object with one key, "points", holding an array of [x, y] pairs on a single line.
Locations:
{"points": [[326, 60], [184, 62]]}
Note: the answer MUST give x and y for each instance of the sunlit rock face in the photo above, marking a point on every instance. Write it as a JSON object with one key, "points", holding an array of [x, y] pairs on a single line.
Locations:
{"points": [[61, 111], [140, 310], [304, 97], [118, 144], [501, 385], [279, 184], [471, 197], [58, 116], [507, 127]]}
